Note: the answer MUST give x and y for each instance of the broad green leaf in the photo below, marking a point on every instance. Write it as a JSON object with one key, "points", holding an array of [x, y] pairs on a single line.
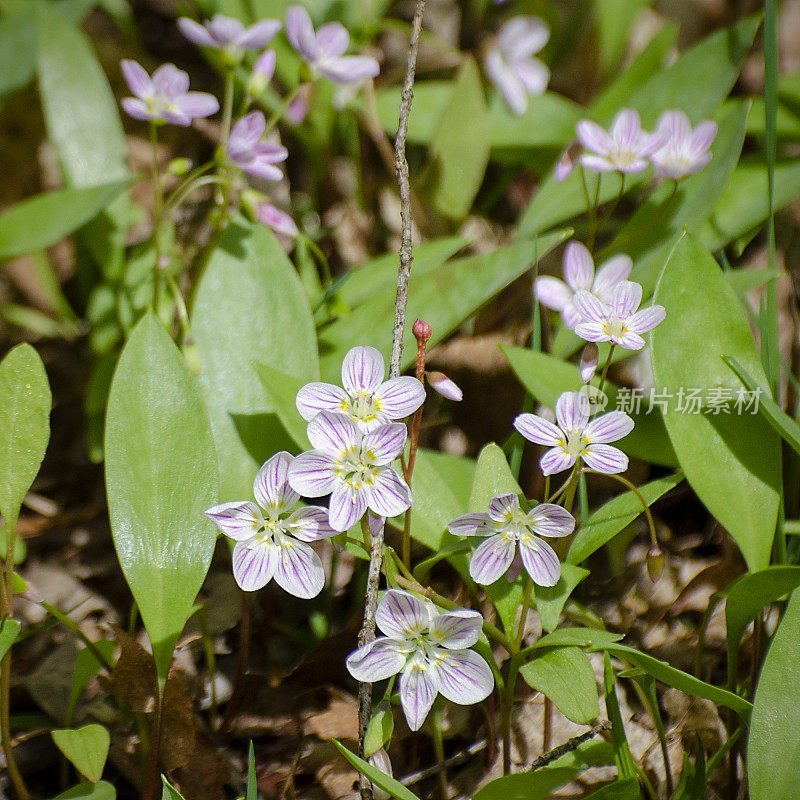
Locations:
{"points": [[614, 19], [389, 785], [17, 52], [732, 461], [444, 297], [625, 789], [249, 308], [549, 121], [578, 637], [43, 220], [161, 475], [79, 107], [550, 599], [431, 98], [460, 147], [379, 730], [168, 791], [86, 667], [9, 629], [676, 678], [24, 426], [773, 747], [565, 675], [626, 767], [102, 790], [615, 515], [743, 281], [547, 377], [745, 600], [86, 748], [537, 785], [281, 391]]}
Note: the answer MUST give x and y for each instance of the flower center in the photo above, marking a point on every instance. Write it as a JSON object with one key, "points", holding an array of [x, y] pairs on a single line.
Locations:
{"points": [[363, 406], [624, 157], [158, 104], [576, 443], [615, 327], [356, 469]]}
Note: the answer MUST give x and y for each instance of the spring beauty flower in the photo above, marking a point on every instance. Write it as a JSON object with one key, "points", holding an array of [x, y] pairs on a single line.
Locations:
{"points": [[275, 219], [229, 34], [508, 527], [271, 538], [683, 151], [429, 649], [249, 154], [440, 383], [617, 320], [324, 50], [263, 71], [165, 97], [579, 275], [353, 467], [366, 398], [625, 148], [574, 437], [510, 64]]}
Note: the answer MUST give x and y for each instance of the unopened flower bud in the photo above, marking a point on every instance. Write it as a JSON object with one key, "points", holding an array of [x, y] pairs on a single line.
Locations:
{"points": [[249, 201], [178, 167], [380, 760], [566, 161], [422, 331], [442, 384], [263, 70], [655, 562], [588, 363]]}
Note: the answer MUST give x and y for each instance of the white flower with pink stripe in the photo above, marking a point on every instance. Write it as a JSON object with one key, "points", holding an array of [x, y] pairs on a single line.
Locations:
{"points": [[508, 528], [271, 538], [430, 649], [625, 148], [683, 151], [576, 437], [353, 468]]}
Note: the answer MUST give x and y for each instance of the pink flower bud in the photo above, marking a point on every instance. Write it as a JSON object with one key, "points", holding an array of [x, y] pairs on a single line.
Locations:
{"points": [[421, 330], [588, 363], [442, 384]]}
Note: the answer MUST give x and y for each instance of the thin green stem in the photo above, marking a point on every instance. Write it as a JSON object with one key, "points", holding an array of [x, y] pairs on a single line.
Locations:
{"points": [[227, 105], [593, 221], [277, 115], [526, 604], [176, 198], [180, 305], [606, 366], [438, 750], [625, 482], [158, 200]]}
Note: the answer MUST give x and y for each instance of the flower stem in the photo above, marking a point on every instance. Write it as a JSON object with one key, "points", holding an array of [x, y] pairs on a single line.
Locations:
{"points": [[277, 115], [606, 366], [158, 201], [625, 482], [438, 750], [155, 746], [526, 604]]}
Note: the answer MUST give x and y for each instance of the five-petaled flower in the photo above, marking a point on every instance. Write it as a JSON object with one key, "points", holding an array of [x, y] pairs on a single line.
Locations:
{"points": [[683, 151], [625, 148], [510, 64], [324, 50], [366, 397], [353, 467], [579, 275], [430, 649], [247, 153], [617, 320], [508, 527], [165, 97], [271, 538], [575, 437], [229, 34]]}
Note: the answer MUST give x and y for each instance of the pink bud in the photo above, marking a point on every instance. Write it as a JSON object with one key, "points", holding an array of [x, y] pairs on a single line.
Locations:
{"points": [[588, 363], [442, 384], [421, 330], [566, 161]]}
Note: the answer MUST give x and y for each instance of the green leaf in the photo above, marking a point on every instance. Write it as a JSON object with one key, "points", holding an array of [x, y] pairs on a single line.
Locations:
{"points": [[550, 599], [546, 377], [773, 747], [249, 308], [9, 630], [537, 785], [252, 784], [549, 121], [86, 748], [43, 220], [161, 475], [24, 426], [626, 767], [676, 678], [565, 675], [86, 667], [460, 146], [17, 52], [379, 729], [732, 461], [626, 789], [578, 637], [281, 391], [168, 791], [79, 107], [615, 515], [444, 297], [614, 19], [431, 98], [381, 779], [102, 790]]}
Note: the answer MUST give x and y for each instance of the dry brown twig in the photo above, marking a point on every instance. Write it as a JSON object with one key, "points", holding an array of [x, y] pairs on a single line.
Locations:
{"points": [[367, 633]]}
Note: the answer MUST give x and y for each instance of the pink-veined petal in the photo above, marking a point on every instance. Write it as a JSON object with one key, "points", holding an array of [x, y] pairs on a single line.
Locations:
{"points": [[646, 319], [400, 614], [503, 506], [475, 524], [491, 559], [259, 34], [310, 524], [260, 169], [626, 129], [588, 362], [238, 520], [537, 429], [313, 474], [552, 292], [376, 660], [332, 40], [299, 570], [418, 689], [456, 629], [626, 298], [362, 370], [247, 131], [605, 458], [702, 136], [333, 432], [383, 444], [349, 69], [254, 564], [271, 488], [136, 77], [629, 340], [300, 31], [197, 104], [506, 81], [170, 81], [265, 65], [464, 677], [592, 136], [532, 74], [674, 129], [400, 397], [136, 108], [555, 460], [608, 427], [590, 308], [578, 266], [570, 315], [388, 495], [613, 271], [440, 383], [346, 506], [572, 411], [540, 561], [597, 163], [196, 33], [315, 397], [548, 519], [522, 36], [224, 30], [592, 332], [279, 221]]}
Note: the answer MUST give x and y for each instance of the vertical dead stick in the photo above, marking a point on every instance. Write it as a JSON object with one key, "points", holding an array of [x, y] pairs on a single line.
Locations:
{"points": [[403, 273]]}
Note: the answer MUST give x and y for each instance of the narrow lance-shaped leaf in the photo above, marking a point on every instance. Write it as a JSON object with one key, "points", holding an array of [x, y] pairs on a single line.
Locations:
{"points": [[161, 475]]}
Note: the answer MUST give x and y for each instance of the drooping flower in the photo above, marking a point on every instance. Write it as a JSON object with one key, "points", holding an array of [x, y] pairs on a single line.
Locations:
{"points": [[510, 64], [566, 161], [617, 320], [588, 363], [366, 397], [271, 538], [579, 275], [683, 151], [508, 528], [229, 34], [575, 437], [165, 97], [430, 649], [444, 386], [324, 50], [353, 467], [279, 221], [249, 154], [625, 148]]}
